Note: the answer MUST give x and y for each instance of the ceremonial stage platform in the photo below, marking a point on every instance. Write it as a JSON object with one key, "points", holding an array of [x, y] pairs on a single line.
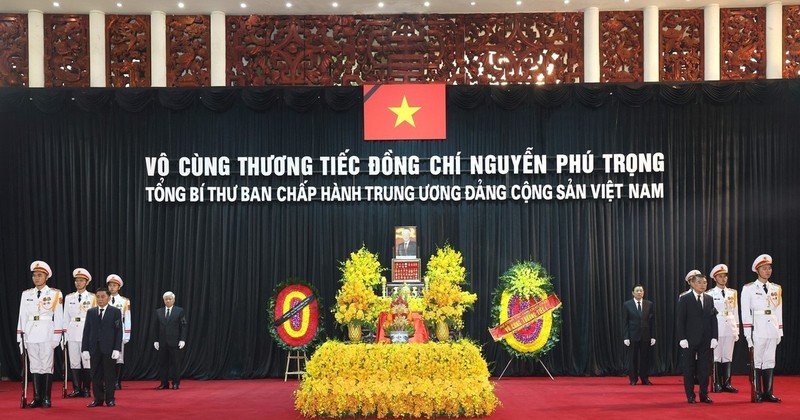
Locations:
{"points": [[521, 398]]}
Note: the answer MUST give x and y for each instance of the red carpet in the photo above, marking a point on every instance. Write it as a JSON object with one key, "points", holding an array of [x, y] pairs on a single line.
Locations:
{"points": [[522, 398]]}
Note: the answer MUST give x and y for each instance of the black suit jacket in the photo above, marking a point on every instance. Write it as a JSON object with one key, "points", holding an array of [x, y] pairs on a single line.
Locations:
{"points": [[104, 334], [170, 331], [635, 326], [411, 250], [695, 324]]}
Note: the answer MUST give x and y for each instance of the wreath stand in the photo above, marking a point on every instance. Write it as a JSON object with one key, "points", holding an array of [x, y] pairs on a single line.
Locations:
{"points": [[298, 356], [537, 359]]}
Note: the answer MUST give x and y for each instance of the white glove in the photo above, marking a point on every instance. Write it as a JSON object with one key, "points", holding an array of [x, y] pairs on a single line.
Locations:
{"points": [[736, 338], [749, 342], [20, 348], [181, 344], [115, 354], [155, 345], [684, 344], [627, 342], [124, 342], [86, 356], [652, 342], [779, 341], [713, 343]]}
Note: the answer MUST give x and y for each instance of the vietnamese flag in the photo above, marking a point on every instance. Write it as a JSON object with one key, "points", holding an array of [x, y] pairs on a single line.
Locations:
{"points": [[405, 112]]}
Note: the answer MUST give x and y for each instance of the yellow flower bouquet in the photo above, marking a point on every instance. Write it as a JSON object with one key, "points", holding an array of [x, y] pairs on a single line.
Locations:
{"points": [[444, 299], [356, 299]]}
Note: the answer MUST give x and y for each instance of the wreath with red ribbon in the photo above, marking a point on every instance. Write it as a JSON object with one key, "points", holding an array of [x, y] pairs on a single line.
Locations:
{"points": [[526, 286], [295, 318]]}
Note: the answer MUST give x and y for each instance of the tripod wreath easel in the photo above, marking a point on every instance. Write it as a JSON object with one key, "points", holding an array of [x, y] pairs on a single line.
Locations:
{"points": [[527, 313]]}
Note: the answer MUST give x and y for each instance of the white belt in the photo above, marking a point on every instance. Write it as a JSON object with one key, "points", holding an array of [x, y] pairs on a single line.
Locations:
{"points": [[764, 312], [726, 313], [41, 318]]}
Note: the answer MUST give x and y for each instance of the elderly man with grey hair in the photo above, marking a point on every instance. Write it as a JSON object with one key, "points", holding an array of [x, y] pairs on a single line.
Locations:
{"points": [[170, 331]]}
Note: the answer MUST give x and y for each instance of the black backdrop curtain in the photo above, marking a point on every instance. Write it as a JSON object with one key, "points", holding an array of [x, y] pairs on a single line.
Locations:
{"points": [[73, 194]]}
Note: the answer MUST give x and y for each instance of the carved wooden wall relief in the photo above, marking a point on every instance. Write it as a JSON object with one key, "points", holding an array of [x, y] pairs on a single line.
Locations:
{"points": [[791, 42], [621, 58], [13, 50], [188, 51], [523, 48], [681, 45], [66, 50], [742, 44], [128, 50]]}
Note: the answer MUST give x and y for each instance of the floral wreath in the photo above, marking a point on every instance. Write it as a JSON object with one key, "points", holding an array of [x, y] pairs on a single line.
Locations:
{"points": [[294, 315], [526, 287]]}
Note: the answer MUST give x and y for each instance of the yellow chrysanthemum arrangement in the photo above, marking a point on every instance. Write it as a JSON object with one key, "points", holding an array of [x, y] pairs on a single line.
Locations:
{"points": [[444, 299], [356, 299]]}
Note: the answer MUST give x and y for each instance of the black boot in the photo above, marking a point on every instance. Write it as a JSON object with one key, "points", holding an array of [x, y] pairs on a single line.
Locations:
{"points": [[118, 385], [767, 377], [76, 383], [48, 382], [726, 382], [717, 386], [758, 374], [36, 378], [86, 377]]}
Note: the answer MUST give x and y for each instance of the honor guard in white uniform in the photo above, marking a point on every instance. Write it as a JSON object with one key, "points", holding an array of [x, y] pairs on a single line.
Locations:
{"points": [[726, 303], [114, 283], [41, 324], [762, 319], [75, 306]]}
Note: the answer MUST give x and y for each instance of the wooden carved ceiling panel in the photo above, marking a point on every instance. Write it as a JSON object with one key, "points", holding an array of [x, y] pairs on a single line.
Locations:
{"points": [[128, 50], [13, 50], [791, 42], [523, 48], [404, 49], [329, 51], [742, 44], [188, 51], [621, 56], [681, 45], [66, 51]]}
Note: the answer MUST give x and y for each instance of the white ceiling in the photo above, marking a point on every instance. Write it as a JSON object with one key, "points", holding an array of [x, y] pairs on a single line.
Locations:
{"points": [[350, 7]]}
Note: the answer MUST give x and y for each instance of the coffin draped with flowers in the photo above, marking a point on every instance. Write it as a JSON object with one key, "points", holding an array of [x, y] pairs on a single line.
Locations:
{"points": [[407, 380]]}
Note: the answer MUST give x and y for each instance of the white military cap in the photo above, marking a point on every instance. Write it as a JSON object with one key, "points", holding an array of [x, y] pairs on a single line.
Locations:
{"points": [[43, 267], [719, 269], [691, 274], [82, 272], [761, 260], [115, 278]]}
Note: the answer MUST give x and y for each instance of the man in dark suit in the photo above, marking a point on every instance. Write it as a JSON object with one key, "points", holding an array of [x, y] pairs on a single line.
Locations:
{"points": [[170, 339], [638, 321], [697, 335], [407, 246], [101, 345]]}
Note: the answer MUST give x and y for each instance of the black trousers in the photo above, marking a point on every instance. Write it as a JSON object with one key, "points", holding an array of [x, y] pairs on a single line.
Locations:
{"points": [[696, 362], [169, 364], [104, 376], [639, 360]]}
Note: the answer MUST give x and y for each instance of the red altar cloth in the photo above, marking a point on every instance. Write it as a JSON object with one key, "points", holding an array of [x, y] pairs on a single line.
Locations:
{"points": [[420, 332]]}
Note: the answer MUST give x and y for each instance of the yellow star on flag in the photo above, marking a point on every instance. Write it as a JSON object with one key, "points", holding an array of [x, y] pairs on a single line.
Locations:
{"points": [[404, 113]]}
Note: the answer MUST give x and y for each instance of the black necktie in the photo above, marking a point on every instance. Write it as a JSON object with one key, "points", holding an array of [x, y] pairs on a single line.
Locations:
{"points": [[112, 300], [639, 306], [39, 294], [167, 317], [723, 292], [765, 288], [101, 313], [79, 298], [700, 302]]}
